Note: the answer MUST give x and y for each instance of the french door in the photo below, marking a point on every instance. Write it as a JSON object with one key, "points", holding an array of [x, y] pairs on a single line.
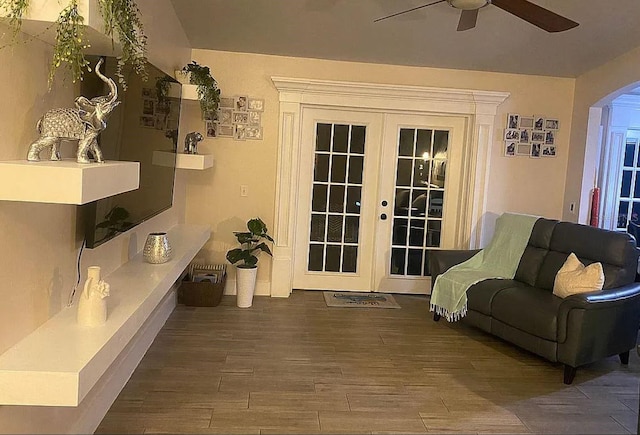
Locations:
{"points": [[376, 197]]}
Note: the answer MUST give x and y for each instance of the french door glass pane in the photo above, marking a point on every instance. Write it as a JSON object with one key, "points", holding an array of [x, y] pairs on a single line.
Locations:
{"points": [[629, 195], [623, 212], [628, 154], [336, 198], [417, 215], [625, 190], [357, 139]]}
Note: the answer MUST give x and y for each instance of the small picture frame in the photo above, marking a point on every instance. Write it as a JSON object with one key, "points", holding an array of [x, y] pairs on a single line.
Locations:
{"points": [[225, 116], [526, 122], [535, 150], [225, 130], [551, 124], [510, 149], [252, 133], [525, 136], [256, 104], [147, 122], [550, 137], [513, 120], [511, 134], [538, 122], [211, 128], [148, 93], [537, 136], [226, 103], [148, 107], [239, 132], [240, 117], [548, 150], [523, 149], [255, 118], [240, 103]]}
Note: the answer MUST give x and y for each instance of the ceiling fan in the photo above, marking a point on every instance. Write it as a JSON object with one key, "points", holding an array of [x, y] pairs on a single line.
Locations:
{"points": [[532, 13]]}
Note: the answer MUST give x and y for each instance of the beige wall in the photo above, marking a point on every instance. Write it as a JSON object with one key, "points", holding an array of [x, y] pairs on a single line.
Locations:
{"points": [[602, 83], [519, 184], [40, 242]]}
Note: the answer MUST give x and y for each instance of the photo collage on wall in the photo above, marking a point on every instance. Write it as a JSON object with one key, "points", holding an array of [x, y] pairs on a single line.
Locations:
{"points": [[239, 117], [156, 114], [533, 136]]}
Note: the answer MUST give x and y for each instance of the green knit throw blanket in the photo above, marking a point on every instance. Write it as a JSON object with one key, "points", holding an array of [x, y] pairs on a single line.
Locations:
{"points": [[498, 260]]}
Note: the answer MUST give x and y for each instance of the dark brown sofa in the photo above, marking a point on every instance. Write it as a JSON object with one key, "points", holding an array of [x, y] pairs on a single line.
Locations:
{"points": [[577, 330]]}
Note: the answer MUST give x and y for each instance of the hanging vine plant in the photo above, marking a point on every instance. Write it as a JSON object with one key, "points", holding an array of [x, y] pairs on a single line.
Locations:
{"points": [[207, 88], [14, 10], [121, 20], [69, 44]]}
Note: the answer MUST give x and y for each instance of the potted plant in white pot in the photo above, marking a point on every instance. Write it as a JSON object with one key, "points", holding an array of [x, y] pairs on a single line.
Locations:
{"points": [[252, 242]]}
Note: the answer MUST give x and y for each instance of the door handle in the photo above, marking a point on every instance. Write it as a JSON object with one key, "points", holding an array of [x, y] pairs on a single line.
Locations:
{"points": [[383, 216]]}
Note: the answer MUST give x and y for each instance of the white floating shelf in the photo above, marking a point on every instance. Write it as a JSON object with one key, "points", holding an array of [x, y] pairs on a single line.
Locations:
{"points": [[189, 92], [59, 363], [183, 161], [194, 161], [66, 181], [40, 15]]}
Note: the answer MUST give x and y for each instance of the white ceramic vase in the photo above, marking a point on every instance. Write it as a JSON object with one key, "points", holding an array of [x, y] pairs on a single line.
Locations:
{"points": [[92, 307], [245, 286]]}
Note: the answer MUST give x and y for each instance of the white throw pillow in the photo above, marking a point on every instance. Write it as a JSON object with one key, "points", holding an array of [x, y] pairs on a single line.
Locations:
{"points": [[573, 278]]}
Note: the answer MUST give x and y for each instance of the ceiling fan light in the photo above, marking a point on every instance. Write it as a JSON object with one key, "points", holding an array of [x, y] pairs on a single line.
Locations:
{"points": [[468, 4]]}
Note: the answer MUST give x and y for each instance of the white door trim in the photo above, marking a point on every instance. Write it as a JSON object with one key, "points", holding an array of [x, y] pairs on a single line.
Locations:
{"points": [[296, 93]]}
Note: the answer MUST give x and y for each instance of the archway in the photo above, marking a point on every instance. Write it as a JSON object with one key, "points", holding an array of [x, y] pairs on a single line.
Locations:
{"points": [[609, 122]]}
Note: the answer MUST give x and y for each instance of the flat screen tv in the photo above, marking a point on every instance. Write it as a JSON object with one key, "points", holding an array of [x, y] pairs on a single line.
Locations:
{"points": [[141, 129]]}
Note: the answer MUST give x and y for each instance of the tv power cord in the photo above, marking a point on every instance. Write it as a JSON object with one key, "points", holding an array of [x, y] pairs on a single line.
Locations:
{"points": [[75, 287]]}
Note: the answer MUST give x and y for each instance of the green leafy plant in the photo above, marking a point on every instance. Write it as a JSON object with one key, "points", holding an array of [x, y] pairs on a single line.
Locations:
{"points": [[251, 242], [121, 18], [14, 10], [207, 87], [69, 44], [163, 86]]}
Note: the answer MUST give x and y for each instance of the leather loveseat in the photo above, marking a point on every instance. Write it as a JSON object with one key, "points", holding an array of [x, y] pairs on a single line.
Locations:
{"points": [[574, 331]]}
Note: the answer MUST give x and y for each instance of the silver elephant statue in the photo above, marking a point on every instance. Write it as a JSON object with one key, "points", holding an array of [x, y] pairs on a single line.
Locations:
{"points": [[191, 142], [82, 123]]}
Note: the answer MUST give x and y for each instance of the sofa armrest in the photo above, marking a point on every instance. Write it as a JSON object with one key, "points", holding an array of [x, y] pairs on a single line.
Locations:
{"points": [[442, 260], [601, 299], [598, 324]]}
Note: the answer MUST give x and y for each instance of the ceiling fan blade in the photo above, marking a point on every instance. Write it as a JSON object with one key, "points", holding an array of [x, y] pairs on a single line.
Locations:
{"points": [[468, 19], [536, 15], [408, 10]]}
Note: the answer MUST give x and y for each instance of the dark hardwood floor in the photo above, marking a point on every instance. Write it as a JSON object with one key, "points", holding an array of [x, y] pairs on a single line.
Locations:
{"points": [[296, 366]]}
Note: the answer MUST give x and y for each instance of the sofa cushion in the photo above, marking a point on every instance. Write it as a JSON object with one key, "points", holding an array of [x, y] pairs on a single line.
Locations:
{"points": [[616, 251], [573, 278], [535, 252], [529, 309], [480, 295]]}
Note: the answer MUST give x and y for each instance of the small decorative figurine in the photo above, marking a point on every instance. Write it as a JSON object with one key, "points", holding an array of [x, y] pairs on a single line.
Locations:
{"points": [[82, 123], [157, 248], [92, 307], [191, 142]]}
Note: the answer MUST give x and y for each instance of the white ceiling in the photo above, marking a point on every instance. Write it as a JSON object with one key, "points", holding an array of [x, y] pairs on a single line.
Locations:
{"points": [[344, 30]]}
